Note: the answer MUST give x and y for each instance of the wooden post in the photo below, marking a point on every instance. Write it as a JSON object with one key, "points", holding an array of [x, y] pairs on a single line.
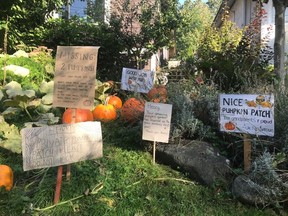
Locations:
{"points": [[60, 169], [154, 151], [58, 185], [68, 170], [247, 153]]}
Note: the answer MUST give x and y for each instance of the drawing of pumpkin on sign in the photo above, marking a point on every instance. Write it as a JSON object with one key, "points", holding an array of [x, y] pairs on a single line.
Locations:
{"points": [[229, 126], [261, 101]]}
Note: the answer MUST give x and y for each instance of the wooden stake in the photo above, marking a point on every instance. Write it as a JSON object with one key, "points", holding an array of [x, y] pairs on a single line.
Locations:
{"points": [[60, 169], [154, 151], [58, 185], [68, 170], [247, 153]]}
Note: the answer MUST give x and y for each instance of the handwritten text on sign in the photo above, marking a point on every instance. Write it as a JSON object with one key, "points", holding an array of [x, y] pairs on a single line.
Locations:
{"points": [[156, 124], [250, 114], [137, 80], [75, 74], [56, 145]]}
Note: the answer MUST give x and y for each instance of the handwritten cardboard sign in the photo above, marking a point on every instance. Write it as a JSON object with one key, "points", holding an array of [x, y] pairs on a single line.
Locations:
{"points": [[156, 124], [137, 80], [75, 74], [247, 113], [56, 145]]}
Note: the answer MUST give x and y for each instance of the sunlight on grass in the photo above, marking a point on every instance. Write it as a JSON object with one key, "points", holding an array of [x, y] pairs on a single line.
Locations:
{"points": [[123, 182]]}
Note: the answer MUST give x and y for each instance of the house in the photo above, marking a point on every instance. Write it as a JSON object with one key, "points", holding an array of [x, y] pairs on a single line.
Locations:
{"points": [[242, 13]]}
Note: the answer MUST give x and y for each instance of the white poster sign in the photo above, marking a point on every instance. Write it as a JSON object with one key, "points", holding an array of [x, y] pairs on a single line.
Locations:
{"points": [[156, 123], [75, 74], [57, 145], [245, 113], [137, 80]]}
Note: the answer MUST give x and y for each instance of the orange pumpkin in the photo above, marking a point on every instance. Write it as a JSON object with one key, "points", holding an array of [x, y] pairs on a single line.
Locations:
{"points": [[81, 115], [230, 126], [6, 177], [158, 94], [132, 110], [104, 113], [115, 101]]}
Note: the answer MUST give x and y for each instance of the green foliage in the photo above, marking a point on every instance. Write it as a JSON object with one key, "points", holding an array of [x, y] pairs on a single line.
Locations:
{"points": [[78, 32], [123, 182], [10, 137], [214, 6], [95, 11], [194, 110], [22, 17], [265, 174], [145, 26], [195, 18], [230, 56], [40, 66], [281, 120]]}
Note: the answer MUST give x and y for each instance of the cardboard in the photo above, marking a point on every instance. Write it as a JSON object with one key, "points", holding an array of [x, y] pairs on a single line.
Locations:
{"points": [[156, 123], [137, 80], [56, 145], [75, 75]]}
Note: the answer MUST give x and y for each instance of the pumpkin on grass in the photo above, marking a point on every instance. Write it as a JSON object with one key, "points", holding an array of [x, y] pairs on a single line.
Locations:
{"points": [[115, 101], [81, 115], [132, 110], [104, 113], [158, 94], [6, 177]]}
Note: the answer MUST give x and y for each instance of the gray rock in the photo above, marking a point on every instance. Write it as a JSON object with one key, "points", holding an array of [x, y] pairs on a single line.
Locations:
{"points": [[249, 192], [200, 160]]}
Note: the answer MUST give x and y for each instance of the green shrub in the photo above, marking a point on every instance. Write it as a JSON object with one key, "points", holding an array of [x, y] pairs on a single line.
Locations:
{"points": [[40, 67], [78, 32], [194, 110], [231, 56]]}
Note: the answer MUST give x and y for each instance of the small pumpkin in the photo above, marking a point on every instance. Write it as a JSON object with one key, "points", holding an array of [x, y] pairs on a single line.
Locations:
{"points": [[230, 126], [81, 115], [158, 94], [104, 113], [115, 101], [132, 110], [6, 177]]}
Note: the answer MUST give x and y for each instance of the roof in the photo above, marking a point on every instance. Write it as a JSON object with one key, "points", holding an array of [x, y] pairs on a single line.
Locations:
{"points": [[218, 18]]}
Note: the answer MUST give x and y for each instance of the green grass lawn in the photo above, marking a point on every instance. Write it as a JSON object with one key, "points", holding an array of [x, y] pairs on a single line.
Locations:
{"points": [[123, 182]]}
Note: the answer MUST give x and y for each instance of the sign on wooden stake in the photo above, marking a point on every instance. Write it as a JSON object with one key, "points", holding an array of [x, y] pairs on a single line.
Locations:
{"points": [[156, 123]]}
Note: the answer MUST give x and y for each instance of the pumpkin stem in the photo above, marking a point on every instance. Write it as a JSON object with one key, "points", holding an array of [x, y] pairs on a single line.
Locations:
{"points": [[106, 100]]}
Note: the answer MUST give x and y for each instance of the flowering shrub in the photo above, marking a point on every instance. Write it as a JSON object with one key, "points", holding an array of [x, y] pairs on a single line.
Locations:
{"points": [[230, 56]]}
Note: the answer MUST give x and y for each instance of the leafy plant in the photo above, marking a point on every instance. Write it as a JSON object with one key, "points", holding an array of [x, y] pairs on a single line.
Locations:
{"points": [[192, 106], [231, 56], [10, 137]]}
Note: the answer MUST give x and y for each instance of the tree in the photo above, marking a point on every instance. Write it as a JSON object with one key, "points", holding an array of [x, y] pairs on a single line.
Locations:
{"points": [[19, 18], [146, 26], [279, 44], [214, 6], [195, 17], [95, 10]]}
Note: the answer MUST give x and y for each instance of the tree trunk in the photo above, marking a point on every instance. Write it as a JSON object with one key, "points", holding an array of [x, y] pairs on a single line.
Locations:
{"points": [[279, 45]]}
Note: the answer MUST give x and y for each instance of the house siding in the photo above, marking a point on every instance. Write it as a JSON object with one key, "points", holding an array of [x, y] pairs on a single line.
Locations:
{"points": [[242, 13]]}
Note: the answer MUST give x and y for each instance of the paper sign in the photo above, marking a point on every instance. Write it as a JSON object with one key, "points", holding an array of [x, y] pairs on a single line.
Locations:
{"points": [[75, 74], [249, 114], [156, 123], [56, 145], [137, 80]]}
